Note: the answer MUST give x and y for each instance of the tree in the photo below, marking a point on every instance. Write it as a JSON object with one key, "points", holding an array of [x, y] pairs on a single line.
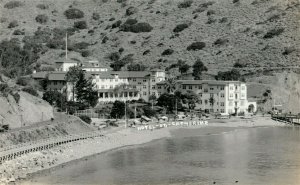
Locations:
{"points": [[72, 77], [168, 101], [192, 99], [136, 67], [85, 92], [170, 85], [55, 98], [184, 68], [212, 102], [118, 110], [234, 74], [152, 98], [198, 68]]}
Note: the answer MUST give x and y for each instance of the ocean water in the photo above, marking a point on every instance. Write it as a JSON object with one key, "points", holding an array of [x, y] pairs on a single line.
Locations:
{"points": [[262, 156]]}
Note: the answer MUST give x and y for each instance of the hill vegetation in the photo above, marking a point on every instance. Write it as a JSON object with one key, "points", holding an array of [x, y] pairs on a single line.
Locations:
{"points": [[254, 33]]}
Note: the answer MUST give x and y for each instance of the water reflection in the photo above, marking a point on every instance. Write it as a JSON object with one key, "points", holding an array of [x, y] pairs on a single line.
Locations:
{"points": [[249, 156]]}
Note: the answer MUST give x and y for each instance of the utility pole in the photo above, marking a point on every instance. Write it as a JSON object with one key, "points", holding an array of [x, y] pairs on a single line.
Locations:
{"points": [[66, 46], [125, 115], [134, 110]]}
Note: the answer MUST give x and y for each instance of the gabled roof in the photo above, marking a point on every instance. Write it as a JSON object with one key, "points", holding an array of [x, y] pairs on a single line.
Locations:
{"points": [[39, 75], [57, 76]]}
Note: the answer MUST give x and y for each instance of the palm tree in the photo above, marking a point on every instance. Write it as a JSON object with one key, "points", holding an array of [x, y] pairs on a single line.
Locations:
{"points": [[212, 102], [170, 85], [152, 98]]}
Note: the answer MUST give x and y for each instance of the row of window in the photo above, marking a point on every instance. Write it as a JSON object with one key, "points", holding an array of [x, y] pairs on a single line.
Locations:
{"points": [[236, 87], [200, 87]]}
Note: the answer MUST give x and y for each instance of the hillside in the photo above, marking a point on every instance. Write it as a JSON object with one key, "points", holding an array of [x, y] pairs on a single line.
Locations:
{"points": [[252, 32]]}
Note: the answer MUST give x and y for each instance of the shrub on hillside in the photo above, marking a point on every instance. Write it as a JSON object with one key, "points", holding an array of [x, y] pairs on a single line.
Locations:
{"points": [[74, 13], [22, 81], [221, 41], [167, 52], [238, 65], [13, 24], [136, 28], [196, 46], [288, 50], [42, 18], [30, 90], [13, 4], [80, 46], [16, 96], [185, 4], [86, 119], [105, 39], [121, 1], [131, 10], [18, 32], [5, 89], [80, 25], [86, 53], [273, 33], [210, 12], [180, 27], [116, 24], [42, 6], [55, 43], [146, 52], [114, 56], [95, 16]]}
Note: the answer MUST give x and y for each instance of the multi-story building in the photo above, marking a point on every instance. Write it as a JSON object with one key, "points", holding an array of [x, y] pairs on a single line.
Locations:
{"points": [[111, 85], [215, 96], [91, 66]]}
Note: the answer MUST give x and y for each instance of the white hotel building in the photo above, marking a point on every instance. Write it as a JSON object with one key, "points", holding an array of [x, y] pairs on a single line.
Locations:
{"points": [[228, 96]]}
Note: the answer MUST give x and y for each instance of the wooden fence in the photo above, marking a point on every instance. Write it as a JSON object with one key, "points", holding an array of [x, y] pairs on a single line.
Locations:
{"points": [[14, 151]]}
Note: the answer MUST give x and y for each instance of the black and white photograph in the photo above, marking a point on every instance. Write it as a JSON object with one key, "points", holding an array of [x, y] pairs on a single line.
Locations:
{"points": [[149, 92]]}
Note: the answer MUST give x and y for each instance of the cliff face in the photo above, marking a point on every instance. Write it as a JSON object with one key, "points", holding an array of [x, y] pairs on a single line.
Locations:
{"points": [[29, 110], [252, 32]]}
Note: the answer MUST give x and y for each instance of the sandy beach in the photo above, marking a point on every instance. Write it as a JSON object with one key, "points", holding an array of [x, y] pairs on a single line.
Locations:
{"points": [[18, 171]]}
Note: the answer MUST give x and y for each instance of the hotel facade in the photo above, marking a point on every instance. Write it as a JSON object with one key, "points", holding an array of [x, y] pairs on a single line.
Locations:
{"points": [[226, 97]]}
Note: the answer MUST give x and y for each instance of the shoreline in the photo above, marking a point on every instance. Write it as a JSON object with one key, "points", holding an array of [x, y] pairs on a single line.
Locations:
{"points": [[25, 168]]}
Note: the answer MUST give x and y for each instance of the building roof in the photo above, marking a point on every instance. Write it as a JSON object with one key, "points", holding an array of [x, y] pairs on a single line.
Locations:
{"points": [[196, 82], [57, 76], [39, 75], [90, 64], [67, 61]]}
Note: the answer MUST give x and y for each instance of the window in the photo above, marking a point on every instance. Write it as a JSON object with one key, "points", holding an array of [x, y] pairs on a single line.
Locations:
{"points": [[243, 95], [205, 101], [222, 104], [144, 87], [231, 95], [144, 93], [144, 80], [222, 111], [183, 86], [102, 86], [200, 87], [153, 93], [55, 83], [231, 88], [211, 88], [200, 94], [205, 90], [236, 87], [134, 79], [159, 87], [129, 79], [153, 86], [134, 86], [222, 95], [211, 95], [159, 94], [200, 102], [190, 87], [111, 87], [153, 80], [236, 96], [222, 87]]}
